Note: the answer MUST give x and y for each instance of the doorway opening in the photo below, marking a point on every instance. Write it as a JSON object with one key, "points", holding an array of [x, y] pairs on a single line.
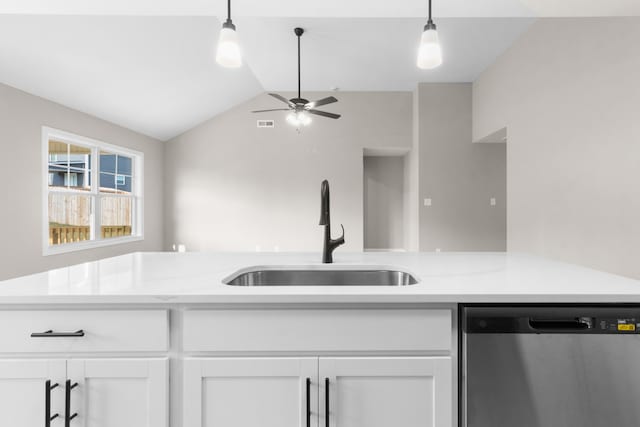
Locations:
{"points": [[384, 201]]}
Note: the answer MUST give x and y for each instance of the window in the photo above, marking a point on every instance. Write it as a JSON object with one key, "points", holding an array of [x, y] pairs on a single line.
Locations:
{"points": [[92, 193]]}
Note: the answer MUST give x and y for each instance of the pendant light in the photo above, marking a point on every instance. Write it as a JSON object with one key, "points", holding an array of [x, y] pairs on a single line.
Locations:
{"points": [[228, 54], [430, 52]]}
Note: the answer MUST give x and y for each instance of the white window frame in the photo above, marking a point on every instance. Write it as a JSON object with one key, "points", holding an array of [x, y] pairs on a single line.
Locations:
{"points": [[137, 226]]}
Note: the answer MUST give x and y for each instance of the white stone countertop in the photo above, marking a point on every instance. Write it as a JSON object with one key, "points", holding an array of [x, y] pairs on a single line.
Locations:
{"points": [[196, 277]]}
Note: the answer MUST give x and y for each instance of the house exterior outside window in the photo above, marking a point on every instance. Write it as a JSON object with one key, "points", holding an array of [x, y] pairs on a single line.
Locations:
{"points": [[92, 195]]}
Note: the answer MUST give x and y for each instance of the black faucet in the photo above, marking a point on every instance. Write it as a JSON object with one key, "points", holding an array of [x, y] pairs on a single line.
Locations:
{"points": [[325, 219]]}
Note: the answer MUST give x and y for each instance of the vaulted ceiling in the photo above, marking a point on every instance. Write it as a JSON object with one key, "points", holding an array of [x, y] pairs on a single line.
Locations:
{"points": [[153, 70]]}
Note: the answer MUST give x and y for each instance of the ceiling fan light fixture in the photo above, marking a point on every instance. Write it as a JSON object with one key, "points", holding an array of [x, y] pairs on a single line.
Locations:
{"points": [[299, 118], [430, 51], [228, 53]]}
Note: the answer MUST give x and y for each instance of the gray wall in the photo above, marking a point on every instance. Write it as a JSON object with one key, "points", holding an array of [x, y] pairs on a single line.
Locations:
{"points": [[569, 96], [460, 177], [384, 202], [21, 119], [411, 182], [231, 186]]}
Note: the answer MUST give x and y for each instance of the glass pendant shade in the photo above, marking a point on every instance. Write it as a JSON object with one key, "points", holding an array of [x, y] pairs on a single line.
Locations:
{"points": [[228, 54], [430, 52]]}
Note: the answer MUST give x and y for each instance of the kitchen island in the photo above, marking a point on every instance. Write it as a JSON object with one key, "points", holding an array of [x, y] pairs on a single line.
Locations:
{"points": [[157, 339], [197, 277]]}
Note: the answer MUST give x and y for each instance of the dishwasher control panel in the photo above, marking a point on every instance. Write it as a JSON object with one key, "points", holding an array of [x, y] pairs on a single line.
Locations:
{"points": [[552, 320], [618, 325]]}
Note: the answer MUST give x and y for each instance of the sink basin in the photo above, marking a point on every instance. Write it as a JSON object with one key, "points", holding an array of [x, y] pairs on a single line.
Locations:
{"points": [[356, 276]]}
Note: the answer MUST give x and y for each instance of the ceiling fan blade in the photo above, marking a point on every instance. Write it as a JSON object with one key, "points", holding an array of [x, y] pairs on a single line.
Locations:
{"points": [[283, 99], [324, 114], [318, 103], [274, 109]]}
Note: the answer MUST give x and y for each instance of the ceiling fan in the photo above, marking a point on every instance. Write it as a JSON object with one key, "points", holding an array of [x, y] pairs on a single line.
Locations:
{"points": [[301, 108]]}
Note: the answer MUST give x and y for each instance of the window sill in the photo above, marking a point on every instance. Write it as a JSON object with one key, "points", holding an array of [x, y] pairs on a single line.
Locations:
{"points": [[81, 246]]}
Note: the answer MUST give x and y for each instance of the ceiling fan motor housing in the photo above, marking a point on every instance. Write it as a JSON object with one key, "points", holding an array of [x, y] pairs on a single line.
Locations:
{"points": [[299, 101]]}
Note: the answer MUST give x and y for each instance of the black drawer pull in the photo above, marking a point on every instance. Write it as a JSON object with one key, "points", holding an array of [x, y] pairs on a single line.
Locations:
{"points": [[67, 404], [51, 334], [47, 403]]}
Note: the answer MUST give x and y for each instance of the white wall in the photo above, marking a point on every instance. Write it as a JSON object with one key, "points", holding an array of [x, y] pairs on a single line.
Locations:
{"points": [[21, 119], [459, 177], [231, 186], [384, 202], [569, 94], [411, 181]]}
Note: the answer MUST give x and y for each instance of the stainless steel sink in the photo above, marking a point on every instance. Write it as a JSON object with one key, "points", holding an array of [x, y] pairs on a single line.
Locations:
{"points": [[321, 277]]}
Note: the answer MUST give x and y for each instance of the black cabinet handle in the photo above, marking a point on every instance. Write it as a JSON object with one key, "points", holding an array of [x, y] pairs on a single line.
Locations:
{"points": [[308, 402], [558, 324], [326, 402], [47, 403], [67, 403], [52, 334]]}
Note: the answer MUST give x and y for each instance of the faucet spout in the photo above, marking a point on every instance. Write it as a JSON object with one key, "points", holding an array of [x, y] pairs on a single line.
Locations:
{"points": [[324, 203], [329, 244]]}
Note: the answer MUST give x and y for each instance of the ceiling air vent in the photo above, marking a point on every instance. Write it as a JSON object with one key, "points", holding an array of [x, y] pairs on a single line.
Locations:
{"points": [[266, 123]]}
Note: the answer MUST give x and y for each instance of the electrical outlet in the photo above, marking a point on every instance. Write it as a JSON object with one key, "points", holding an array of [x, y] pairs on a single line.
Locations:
{"points": [[427, 202], [492, 201]]}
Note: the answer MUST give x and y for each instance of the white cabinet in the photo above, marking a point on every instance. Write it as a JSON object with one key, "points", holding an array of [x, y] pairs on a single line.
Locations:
{"points": [[102, 392], [23, 392], [250, 392], [88, 331], [383, 392], [317, 330], [363, 392], [102, 373], [119, 392]]}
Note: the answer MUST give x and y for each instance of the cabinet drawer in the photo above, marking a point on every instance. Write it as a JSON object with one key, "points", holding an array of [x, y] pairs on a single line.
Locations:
{"points": [[102, 330], [301, 330]]}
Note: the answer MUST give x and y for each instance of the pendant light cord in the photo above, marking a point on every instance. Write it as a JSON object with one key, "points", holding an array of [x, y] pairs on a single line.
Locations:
{"points": [[229, 9], [430, 25], [298, 66]]}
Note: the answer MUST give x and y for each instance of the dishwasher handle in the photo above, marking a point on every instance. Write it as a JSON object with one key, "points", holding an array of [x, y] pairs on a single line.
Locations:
{"points": [[573, 324]]}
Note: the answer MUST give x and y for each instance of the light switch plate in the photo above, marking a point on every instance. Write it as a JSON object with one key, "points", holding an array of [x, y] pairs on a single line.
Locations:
{"points": [[492, 201], [427, 202]]}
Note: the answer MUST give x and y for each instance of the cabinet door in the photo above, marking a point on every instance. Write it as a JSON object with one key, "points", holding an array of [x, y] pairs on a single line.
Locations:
{"points": [[23, 392], [250, 392], [119, 392], [383, 392]]}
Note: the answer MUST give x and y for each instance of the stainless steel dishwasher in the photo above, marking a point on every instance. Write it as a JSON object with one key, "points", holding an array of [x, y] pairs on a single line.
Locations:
{"points": [[550, 366]]}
